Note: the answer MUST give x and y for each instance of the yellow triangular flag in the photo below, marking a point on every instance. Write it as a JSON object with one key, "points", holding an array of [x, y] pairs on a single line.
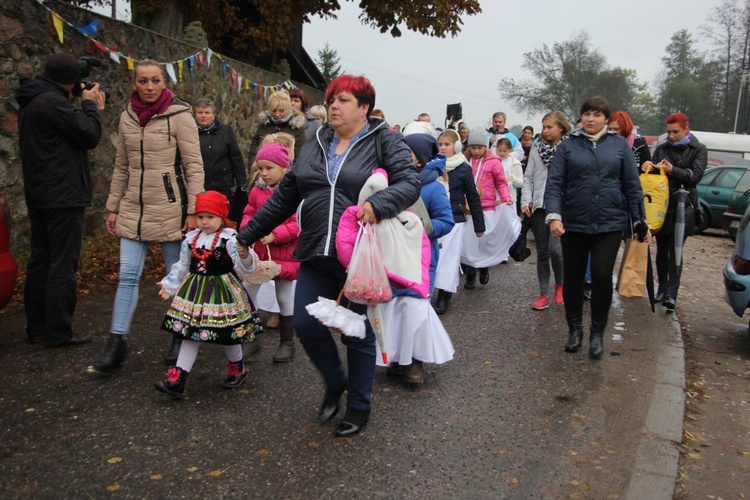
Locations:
{"points": [[179, 69], [131, 63], [58, 22], [247, 84]]}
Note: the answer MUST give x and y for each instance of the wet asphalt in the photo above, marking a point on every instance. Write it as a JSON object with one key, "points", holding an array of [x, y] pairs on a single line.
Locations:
{"points": [[512, 416]]}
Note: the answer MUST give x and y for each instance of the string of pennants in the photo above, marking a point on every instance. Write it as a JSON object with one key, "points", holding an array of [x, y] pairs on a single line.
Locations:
{"points": [[200, 58]]}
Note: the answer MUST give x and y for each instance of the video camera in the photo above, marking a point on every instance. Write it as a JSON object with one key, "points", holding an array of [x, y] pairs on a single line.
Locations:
{"points": [[87, 64]]}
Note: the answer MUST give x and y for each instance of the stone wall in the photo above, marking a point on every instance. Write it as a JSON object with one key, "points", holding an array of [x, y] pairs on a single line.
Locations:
{"points": [[27, 37]]}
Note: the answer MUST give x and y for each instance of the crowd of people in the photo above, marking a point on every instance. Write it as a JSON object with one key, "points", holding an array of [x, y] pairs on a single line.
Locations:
{"points": [[317, 177]]}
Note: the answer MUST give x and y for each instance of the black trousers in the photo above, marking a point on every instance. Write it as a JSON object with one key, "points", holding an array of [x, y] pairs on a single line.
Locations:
{"points": [[603, 248], [50, 293], [666, 266]]}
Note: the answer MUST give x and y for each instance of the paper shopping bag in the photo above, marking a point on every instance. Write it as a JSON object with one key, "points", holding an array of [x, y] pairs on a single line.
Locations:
{"points": [[631, 281]]}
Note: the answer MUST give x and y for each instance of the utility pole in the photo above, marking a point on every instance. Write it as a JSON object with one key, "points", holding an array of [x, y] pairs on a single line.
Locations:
{"points": [[743, 81]]}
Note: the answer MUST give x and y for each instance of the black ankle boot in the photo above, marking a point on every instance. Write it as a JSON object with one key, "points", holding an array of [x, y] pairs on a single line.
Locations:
{"points": [[171, 358], [330, 406], [596, 340], [441, 306], [174, 384], [484, 275], [471, 281], [353, 423], [114, 353], [575, 334]]}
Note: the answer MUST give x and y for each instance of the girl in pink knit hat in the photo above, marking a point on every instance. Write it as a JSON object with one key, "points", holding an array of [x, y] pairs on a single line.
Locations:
{"points": [[271, 163]]}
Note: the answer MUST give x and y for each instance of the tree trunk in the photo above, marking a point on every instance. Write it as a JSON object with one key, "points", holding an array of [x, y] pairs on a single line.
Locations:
{"points": [[167, 20]]}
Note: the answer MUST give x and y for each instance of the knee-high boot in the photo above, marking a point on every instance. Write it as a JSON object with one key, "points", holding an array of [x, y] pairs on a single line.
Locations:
{"points": [[285, 352], [171, 358]]}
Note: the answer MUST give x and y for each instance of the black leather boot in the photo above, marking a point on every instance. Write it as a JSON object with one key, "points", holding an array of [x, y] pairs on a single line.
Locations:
{"points": [[353, 423], [441, 306], [330, 406], [286, 350], [471, 281], [171, 358], [596, 340], [114, 353], [575, 334], [174, 384]]}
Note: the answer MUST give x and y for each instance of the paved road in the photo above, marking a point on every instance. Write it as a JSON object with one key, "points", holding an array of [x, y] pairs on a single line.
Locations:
{"points": [[512, 416]]}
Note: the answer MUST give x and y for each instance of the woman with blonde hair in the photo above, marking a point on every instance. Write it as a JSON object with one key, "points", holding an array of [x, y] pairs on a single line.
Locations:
{"points": [[157, 174], [279, 116]]}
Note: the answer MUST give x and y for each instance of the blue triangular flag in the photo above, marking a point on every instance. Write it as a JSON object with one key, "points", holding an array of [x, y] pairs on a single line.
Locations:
{"points": [[90, 28]]}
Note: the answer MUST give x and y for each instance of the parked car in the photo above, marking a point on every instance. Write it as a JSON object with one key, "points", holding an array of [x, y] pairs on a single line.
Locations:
{"points": [[716, 190], [730, 220], [737, 270], [8, 267]]}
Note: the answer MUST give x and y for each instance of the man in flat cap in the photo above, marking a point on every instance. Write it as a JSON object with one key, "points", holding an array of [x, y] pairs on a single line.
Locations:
{"points": [[55, 137]]}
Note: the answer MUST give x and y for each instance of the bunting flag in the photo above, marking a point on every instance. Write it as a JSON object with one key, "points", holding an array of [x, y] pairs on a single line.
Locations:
{"points": [[170, 71], [57, 21], [91, 28], [203, 57]]}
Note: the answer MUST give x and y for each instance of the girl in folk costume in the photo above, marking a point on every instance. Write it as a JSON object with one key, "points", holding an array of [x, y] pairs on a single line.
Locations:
{"points": [[210, 304], [462, 193], [502, 228], [272, 162], [412, 331]]}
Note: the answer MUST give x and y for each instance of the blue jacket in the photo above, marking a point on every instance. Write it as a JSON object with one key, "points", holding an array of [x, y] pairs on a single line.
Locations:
{"points": [[438, 207], [320, 202], [594, 187]]}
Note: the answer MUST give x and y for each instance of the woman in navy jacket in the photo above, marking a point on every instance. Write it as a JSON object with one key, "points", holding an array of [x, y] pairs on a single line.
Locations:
{"points": [[593, 192], [326, 179]]}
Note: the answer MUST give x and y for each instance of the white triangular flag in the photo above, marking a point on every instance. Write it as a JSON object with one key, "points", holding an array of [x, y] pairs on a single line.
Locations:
{"points": [[209, 54], [170, 71]]}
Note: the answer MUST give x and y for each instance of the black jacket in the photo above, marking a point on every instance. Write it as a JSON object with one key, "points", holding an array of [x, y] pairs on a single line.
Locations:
{"points": [[594, 187], [55, 137], [462, 190], [689, 164], [320, 203], [641, 151], [222, 159]]}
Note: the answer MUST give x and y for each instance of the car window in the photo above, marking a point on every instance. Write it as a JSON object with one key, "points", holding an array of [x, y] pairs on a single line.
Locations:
{"points": [[709, 176], [728, 178], [744, 183]]}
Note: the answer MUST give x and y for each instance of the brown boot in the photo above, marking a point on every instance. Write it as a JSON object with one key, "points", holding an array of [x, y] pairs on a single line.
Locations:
{"points": [[272, 323], [285, 352], [415, 372]]}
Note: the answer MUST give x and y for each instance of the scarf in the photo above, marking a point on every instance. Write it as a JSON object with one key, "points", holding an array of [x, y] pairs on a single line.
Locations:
{"points": [[546, 151], [207, 127], [682, 143], [281, 121], [454, 161], [597, 136], [147, 111]]}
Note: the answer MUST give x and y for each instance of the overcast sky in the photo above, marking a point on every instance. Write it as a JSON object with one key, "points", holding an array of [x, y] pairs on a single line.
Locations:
{"points": [[416, 73]]}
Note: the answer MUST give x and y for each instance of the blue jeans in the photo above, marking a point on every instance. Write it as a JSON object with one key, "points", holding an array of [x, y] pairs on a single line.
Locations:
{"points": [[132, 257], [325, 278]]}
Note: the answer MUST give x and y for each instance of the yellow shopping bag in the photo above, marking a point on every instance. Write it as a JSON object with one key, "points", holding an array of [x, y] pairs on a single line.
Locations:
{"points": [[655, 197]]}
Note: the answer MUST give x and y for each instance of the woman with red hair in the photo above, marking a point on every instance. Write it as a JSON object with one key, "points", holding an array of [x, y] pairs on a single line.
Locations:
{"points": [[324, 181], [621, 123], [683, 158]]}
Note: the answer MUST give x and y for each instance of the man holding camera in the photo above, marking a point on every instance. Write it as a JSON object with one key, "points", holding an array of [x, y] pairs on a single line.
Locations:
{"points": [[55, 137]]}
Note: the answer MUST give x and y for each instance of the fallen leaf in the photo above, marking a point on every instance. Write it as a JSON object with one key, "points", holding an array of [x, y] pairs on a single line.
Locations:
{"points": [[192, 469], [487, 362], [314, 444], [694, 456], [113, 487], [157, 477], [511, 480], [263, 452], [30, 410], [572, 453], [114, 460], [575, 482], [214, 473]]}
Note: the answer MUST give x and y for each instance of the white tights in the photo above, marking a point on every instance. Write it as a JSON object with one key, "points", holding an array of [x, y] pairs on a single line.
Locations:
{"points": [[189, 351]]}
